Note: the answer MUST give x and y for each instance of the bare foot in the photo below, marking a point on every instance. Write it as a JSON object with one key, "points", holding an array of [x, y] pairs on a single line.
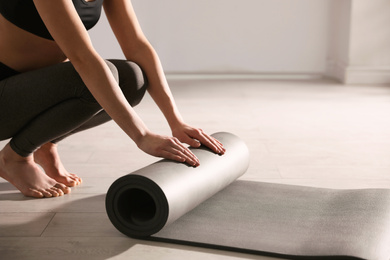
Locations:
{"points": [[47, 156], [26, 176]]}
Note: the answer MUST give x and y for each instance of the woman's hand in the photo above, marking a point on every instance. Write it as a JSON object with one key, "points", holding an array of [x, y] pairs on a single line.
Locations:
{"points": [[167, 147], [195, 137]]}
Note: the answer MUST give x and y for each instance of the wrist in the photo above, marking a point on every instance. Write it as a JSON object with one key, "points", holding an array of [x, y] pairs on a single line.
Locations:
{"points": [[139, 135], [175, 122], [176, 126]]}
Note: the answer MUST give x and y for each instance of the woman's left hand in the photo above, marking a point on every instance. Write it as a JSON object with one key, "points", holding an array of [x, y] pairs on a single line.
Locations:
{"points": [[195, 137]]}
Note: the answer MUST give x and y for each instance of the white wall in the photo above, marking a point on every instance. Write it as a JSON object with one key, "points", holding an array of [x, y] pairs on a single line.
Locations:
{"points": [[369, 54], [339, 37], [345, 39], [231, 36], [359, 44]]}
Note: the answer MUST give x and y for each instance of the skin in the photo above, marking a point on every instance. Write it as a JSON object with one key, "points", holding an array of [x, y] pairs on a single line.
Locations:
{"points": [[24, 51]]}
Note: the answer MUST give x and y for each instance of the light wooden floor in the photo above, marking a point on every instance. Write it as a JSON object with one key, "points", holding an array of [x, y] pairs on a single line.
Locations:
{"points": [[315, 132]]}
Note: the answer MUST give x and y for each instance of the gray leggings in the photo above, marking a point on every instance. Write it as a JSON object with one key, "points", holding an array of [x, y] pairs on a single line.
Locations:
{"points": [[49, 104]]}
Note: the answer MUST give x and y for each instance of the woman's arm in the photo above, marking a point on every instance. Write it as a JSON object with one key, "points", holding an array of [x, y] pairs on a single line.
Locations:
{"points": [[66, 28], [136, 47]]}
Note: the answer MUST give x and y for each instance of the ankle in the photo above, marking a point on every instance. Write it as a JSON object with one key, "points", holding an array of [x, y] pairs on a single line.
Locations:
{"points": [[47, 156], [48, 147], [7, 154]]}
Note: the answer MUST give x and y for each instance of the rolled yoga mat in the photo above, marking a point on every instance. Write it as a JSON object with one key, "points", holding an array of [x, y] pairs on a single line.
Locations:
{"points": [[205, 206]]}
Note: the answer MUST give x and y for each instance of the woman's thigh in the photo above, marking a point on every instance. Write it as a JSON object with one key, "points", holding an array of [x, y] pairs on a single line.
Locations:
{"points": [[24, 96]]}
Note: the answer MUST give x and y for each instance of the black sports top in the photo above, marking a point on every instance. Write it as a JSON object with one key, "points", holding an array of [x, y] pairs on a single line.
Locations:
{"points": [[23, 14]]}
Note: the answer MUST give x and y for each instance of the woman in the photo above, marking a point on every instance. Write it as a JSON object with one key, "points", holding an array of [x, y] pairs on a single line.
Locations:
{"points": [[53, 83]]}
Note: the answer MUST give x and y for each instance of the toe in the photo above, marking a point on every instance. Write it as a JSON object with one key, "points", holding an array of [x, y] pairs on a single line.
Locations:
{"points": [[63, 187], [34, 193], [70, 182], [46, 193], [53, 192], [77, 181], [76, 178], [59, 191], [73, 175]]}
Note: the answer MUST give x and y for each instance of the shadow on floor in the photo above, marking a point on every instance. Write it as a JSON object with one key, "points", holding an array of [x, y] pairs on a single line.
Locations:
{"points": [[20, 238], [109, 245]]}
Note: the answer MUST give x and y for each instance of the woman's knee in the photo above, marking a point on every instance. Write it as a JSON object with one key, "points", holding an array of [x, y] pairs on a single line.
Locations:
{"points": [[132, 80], [113, 69], [87, 96]]}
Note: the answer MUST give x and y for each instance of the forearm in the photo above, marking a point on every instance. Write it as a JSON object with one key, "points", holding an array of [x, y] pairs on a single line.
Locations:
{"points": [[103, 86], [158, 88]]}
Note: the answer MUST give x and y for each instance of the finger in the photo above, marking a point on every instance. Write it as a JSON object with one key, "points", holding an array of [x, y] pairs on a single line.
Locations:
{"points": [[219, 144], [192, 142], [178, 149], [207, 140], [180, 154], [211, 143], [186, 151], [191, 159], [174, 157], [215, 145], [217, 141]]}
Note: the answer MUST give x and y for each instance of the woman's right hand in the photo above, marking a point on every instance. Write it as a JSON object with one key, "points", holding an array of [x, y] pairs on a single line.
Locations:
{"points": [[167, 147]]}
